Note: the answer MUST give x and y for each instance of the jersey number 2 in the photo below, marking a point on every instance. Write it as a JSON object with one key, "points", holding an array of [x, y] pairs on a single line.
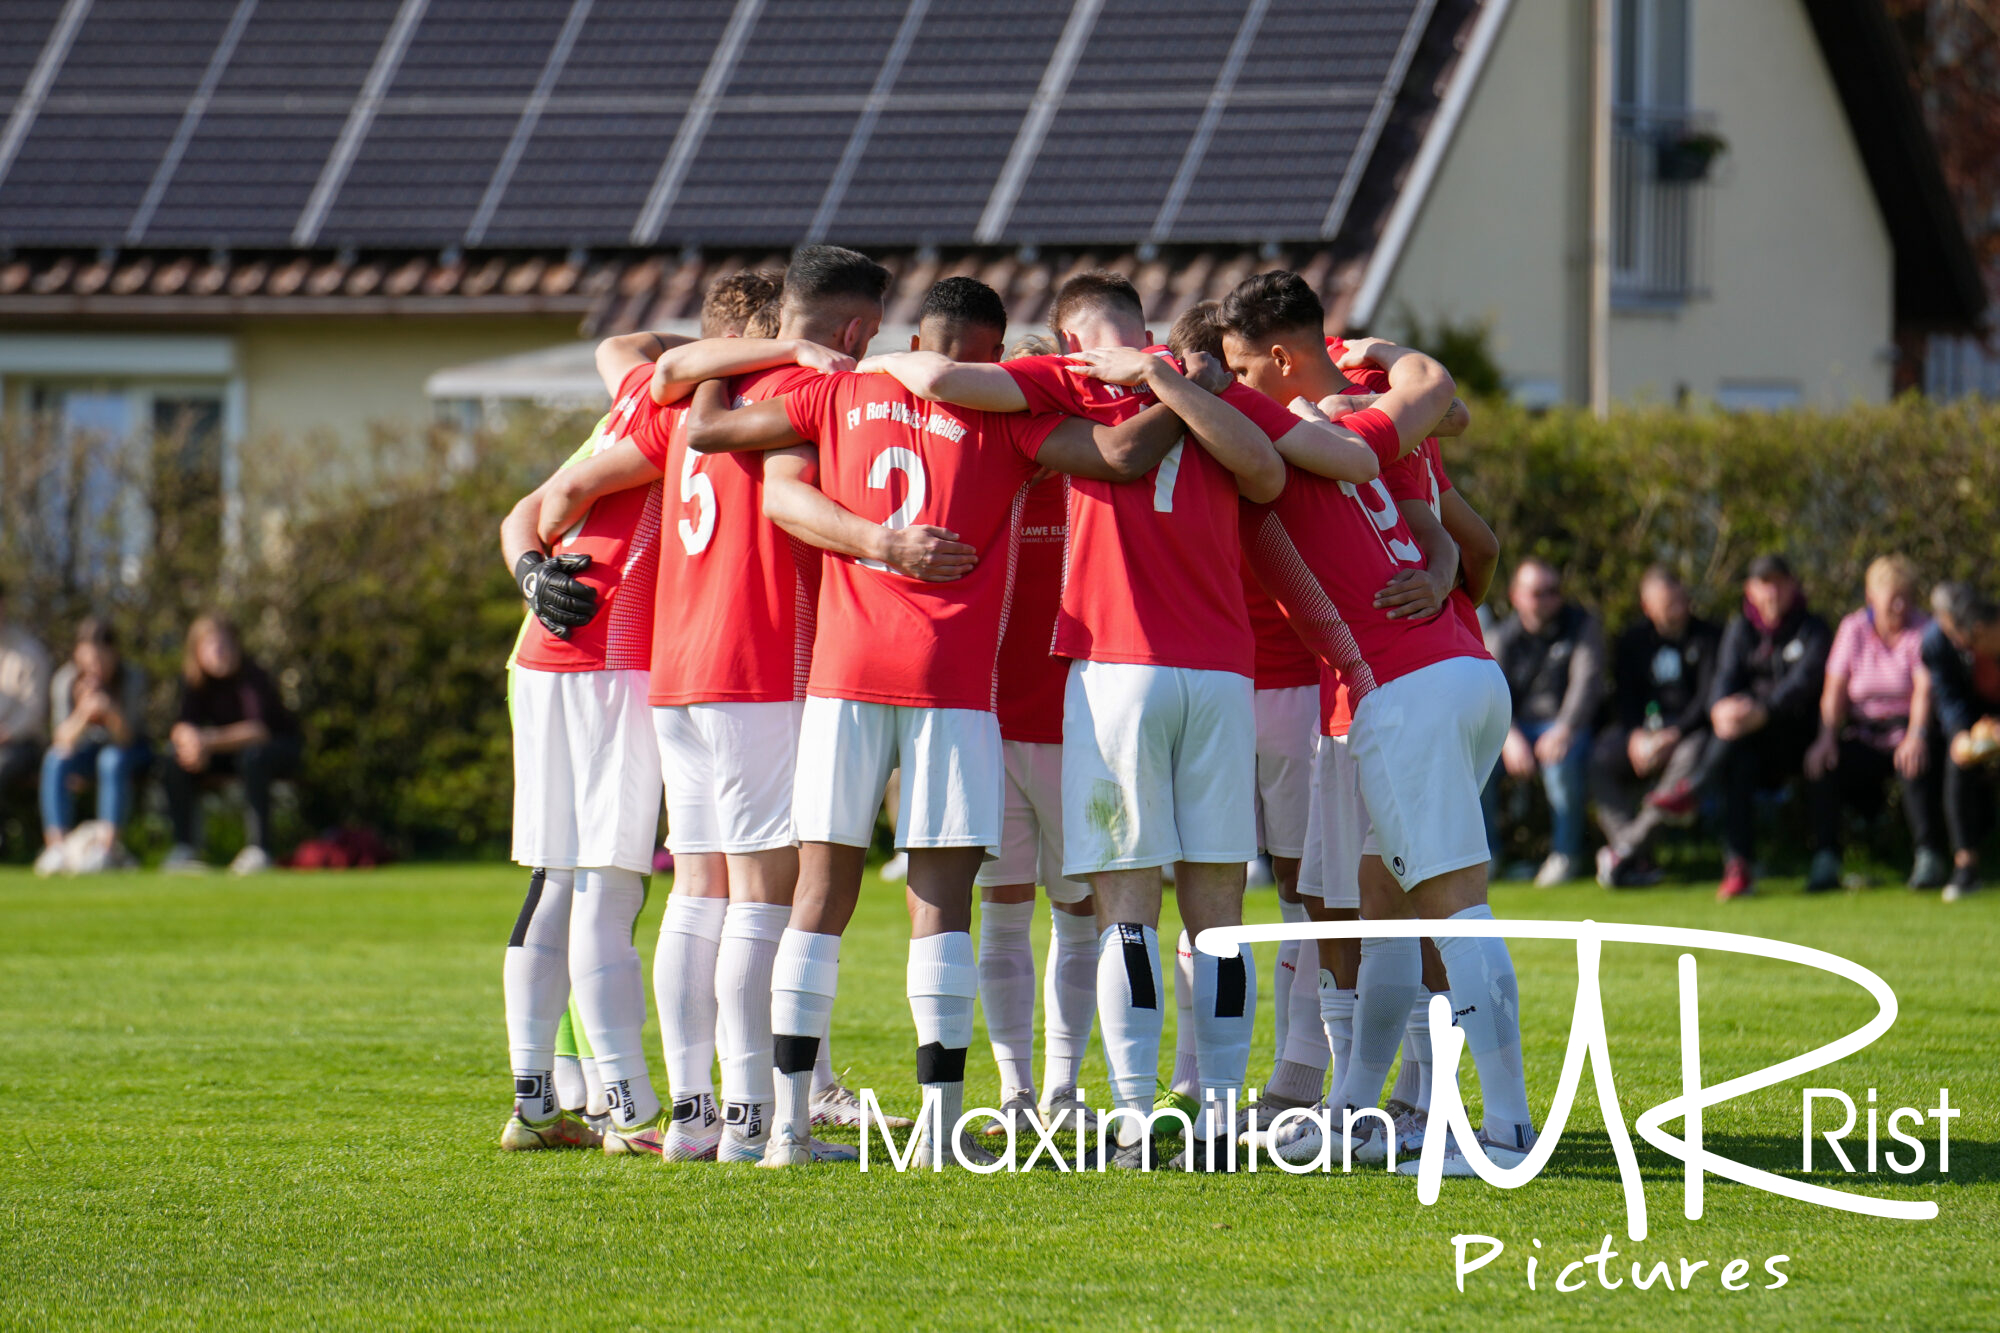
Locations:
{"points": [[905, 461], [696, 534]]}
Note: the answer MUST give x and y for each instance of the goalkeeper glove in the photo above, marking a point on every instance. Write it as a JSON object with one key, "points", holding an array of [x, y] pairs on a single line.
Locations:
{"points": [[553, 592]]}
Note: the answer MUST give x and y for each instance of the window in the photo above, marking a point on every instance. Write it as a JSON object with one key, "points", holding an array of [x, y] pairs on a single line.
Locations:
{"points": [[1660, 158]]}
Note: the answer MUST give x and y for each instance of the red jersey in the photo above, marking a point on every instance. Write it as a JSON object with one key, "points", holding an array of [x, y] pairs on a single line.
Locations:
{"points": [[739, 592], [1323, 550], [621, 535], [1032, 678], [1152, 574], [888, 455], [1283, 662], [1420, 475]]}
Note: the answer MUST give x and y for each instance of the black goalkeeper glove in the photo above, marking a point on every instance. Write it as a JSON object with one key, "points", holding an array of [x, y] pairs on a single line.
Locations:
{"points": [[554, 594]]}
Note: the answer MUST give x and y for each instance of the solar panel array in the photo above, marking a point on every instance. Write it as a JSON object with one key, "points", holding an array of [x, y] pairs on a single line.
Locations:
{"points": [[608, 123]]}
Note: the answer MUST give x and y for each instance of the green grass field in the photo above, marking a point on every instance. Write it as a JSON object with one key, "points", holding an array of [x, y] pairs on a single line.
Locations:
{"points": [[275, 1103]]}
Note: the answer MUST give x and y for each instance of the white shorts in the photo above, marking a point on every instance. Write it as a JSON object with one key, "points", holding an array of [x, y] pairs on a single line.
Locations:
{"points": [[1159, 766], [729, 775], [1287, 726], [1339, 833], [586, 775], [952, 773], [1424, 744], [1031, 824]]}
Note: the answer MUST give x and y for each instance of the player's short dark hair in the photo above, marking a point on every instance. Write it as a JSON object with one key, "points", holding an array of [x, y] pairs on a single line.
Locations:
{"points": [[963, 301], [733, 300], [1274, 302], [828, 272], [1089, 292], [1199, 329], [1770, 566]]}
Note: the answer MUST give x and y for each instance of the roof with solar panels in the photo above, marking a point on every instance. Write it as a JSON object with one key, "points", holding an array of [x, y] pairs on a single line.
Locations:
{"points": [[610, 155]]}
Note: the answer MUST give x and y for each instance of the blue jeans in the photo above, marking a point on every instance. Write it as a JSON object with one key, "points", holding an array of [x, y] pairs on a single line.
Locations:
{"points": [[116, 769], [1567, 785]]}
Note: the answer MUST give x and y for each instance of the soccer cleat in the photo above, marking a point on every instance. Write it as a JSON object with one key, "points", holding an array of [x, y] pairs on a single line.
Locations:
{"points": [[1502, 1155], [645, 1139], [1166, 1099], [1020, 1109], [565, 1129], [822, 1151], [1410, 1126], [1371, 1141], [1736, 880], [836, 1104], [787, 1149], [1142, 1154], [968, 1150], [1060, 1109], [1254, 1121], [694, 1130], [1298, 1140]]}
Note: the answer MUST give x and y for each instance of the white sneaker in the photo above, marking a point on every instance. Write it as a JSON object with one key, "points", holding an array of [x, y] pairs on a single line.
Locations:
{"points": [[897, 868], [1455, 1163], [1556, 870], [1298, 1140], [836, 1104], [787, 1149], [51, 861], [746, 1132], [695, 1132], [1410, 1126], [250, 861], [182, 860]]}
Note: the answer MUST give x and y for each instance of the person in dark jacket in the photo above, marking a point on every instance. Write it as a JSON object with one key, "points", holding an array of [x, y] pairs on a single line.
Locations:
{"points": [[1552, 652], [1961, 651], [1765, 712], [1663, 669], [230, 722]]}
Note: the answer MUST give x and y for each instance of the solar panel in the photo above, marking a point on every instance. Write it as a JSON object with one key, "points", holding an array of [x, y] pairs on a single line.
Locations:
{"points": [[758, 164]]}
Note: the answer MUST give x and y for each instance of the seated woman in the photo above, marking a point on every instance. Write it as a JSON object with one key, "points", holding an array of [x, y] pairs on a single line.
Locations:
{"points": [[97, 706], [230, 722], [1875, 711]]}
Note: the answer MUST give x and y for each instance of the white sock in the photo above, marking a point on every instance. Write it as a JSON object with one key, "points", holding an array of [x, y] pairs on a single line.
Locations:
{"points": [[610, 992], [1069, 998], [1129, 1016], [823, 1067], [1388, 982], [596, 1101], [572, 1093], [1404, 1089], [1283, 973], [750, 934], [1187, 1065], [684, 991], [1305, 1037], [1486, 1001], [942, 982], [1336, 1015], [535, 980], [1225, 1014], [1007, 991], [1417, 1051], [804, 978]]}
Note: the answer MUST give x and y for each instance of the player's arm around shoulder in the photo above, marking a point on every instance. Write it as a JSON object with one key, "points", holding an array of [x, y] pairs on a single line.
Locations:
{"points": [[1420, 391], [1124, 452], [713, 427], [1478, 548], [794, 501], [937, 378], [679, 369], [622, 353], [1233, 439], [567, 495]]}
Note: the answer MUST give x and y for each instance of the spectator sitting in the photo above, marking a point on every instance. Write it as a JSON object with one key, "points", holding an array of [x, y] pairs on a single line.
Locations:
{"points": [[230, 720], [98, 731], [1662, 671], [1962, 653], [1766, 707], [1553, 654], [24, 703], [1874, 717]]}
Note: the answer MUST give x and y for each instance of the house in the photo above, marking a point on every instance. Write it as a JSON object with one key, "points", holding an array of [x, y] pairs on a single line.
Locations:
{"points": [[269, 217]]}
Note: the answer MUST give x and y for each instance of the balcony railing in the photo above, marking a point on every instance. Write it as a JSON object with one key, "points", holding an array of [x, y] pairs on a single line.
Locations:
{"points": [[1661, 161]]}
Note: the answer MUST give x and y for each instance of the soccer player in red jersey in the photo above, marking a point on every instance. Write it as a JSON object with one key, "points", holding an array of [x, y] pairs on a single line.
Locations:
{"points": [[725, 688], [1159, 755], [905, 670], [1429, 706]]}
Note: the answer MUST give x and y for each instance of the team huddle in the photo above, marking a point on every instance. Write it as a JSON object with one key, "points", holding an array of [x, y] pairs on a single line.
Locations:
{"points": [[1117, 612]]}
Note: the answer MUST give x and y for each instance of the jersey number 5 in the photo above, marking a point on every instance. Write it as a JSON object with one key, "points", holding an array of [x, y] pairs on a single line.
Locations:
{"points": [[905, 461], [696, 534]]}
